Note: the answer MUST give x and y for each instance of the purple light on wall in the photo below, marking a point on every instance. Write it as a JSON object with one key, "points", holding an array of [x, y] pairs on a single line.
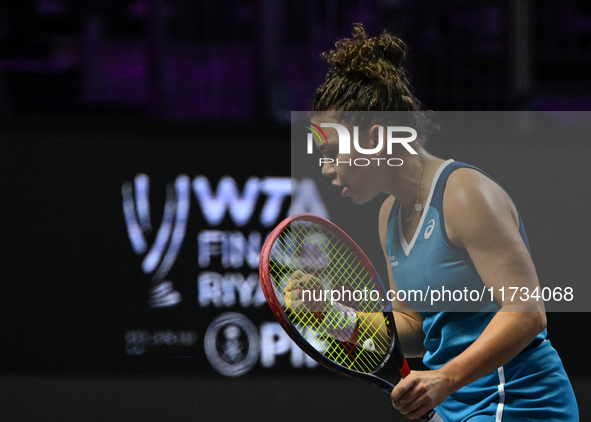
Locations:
{"points": [[139, 8], [51, 7]]}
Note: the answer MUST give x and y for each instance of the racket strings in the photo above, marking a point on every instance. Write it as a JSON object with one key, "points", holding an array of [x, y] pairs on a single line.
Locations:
{"points": [[334, 265]]}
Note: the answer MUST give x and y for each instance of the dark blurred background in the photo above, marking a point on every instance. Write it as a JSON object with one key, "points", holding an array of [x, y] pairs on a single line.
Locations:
{"points": [[248, 60], [95, 93]]}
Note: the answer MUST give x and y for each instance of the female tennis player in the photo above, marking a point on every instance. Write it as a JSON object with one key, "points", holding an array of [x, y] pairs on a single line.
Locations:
{"points": [[445, 224]]}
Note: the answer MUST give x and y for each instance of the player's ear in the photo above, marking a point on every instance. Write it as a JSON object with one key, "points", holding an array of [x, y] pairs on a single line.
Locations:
{"points": [[375, 133]]}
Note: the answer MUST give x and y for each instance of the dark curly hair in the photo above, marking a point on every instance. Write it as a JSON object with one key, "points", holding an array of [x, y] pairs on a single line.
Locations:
{"points": [[365, 74]]}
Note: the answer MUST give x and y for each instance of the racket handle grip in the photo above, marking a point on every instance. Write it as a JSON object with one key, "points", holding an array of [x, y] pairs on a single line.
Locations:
{"points": [[431, 415]]}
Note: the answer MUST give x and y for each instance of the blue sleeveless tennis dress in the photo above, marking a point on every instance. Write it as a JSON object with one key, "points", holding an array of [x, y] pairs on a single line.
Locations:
{"points": [[531, 387]]}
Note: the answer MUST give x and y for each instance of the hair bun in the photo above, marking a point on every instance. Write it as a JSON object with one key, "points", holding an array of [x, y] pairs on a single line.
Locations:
{"points": [[373, 58]]}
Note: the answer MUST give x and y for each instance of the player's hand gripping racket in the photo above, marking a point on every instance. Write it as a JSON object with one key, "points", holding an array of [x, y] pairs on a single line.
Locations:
{"points": [[327, 296]]}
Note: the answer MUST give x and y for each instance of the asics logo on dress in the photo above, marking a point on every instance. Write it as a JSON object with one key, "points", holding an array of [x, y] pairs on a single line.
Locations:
{"points": [[429, 229]]}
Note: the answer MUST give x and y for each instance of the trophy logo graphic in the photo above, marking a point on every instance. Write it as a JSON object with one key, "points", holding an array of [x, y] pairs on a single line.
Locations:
{"points": [[159, 257]]}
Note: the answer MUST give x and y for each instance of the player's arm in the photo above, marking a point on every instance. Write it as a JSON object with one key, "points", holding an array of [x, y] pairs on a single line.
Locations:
{"points": [[481, 218], [408, 322], [489, 231]]}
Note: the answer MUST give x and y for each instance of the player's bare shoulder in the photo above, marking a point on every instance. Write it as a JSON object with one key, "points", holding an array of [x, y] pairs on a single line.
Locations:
{"points": [[472, 200]]}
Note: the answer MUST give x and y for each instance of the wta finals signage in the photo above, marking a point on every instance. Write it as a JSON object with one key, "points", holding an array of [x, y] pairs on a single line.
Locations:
{"points": [[231, 228]]}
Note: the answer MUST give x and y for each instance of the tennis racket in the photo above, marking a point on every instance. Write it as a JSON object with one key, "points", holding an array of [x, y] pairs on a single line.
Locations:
{"points": [[327, 296]]}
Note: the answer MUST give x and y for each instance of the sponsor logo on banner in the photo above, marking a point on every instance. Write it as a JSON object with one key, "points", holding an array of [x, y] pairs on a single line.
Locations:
{"points": [[232, 344]]}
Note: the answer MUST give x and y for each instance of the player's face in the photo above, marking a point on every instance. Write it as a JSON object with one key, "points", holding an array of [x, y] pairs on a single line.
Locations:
{"points": [[354, 181]]}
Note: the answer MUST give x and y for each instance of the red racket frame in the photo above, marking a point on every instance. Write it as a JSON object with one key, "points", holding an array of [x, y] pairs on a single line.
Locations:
{"points": [[394, 350]]}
